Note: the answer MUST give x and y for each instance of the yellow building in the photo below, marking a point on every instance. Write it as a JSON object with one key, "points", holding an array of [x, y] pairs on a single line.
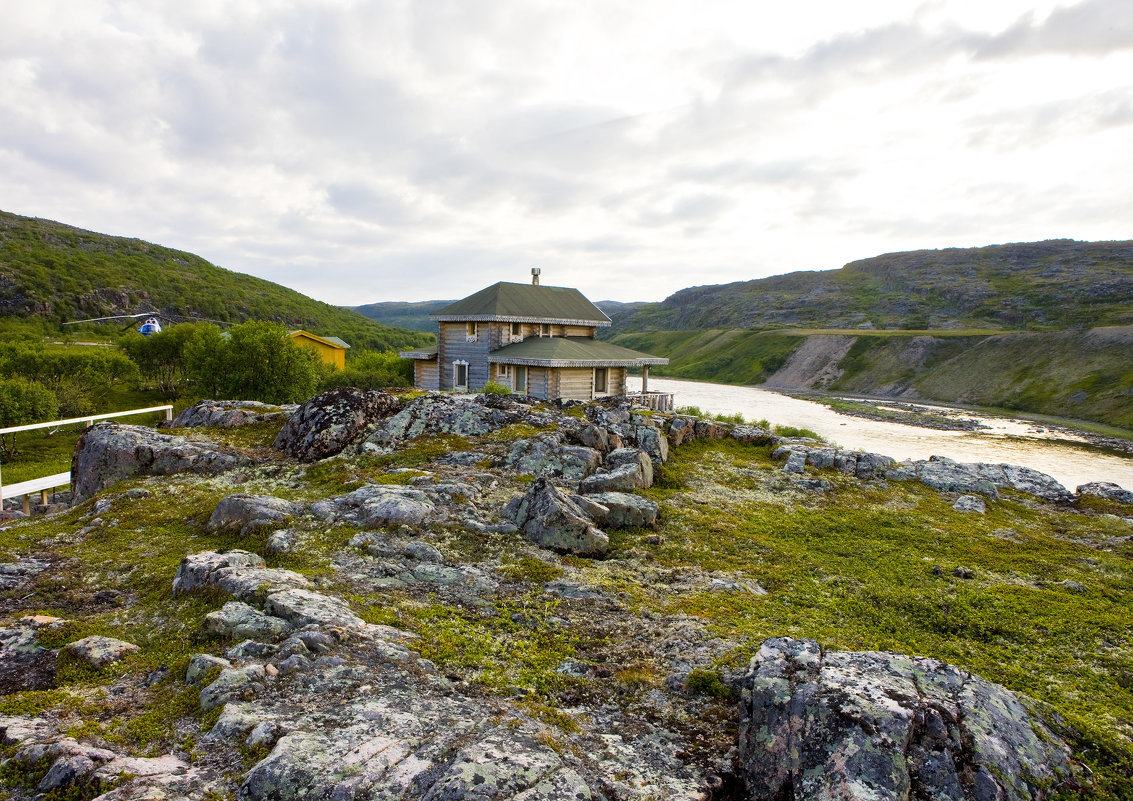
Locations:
{"points": [[331, 350]]}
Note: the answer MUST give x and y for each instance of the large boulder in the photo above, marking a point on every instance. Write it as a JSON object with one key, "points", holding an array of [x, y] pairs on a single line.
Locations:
{"points": [[878, 725], [109, 452], [634, 456], [196, 570], [623, 478], [1107, 490], [619, 509], [853, 463], [379, 505], [553, 520], [948, 475], [330, 422], [98, 652], [249, 512], [227, 414], [462, 416], [546, 455]]}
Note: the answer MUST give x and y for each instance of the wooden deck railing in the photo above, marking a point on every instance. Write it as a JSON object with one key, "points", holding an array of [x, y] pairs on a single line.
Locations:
{"points": [[657, 401], [26, 489]]}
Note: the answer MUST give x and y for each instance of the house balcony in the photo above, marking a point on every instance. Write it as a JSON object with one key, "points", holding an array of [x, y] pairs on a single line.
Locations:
{"points": [[657, 401]]}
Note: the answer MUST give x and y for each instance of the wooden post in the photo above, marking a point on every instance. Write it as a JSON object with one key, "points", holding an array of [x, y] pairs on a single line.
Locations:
{"points": [[43, 497], [27, 504], [644, 378], [169, 414]]}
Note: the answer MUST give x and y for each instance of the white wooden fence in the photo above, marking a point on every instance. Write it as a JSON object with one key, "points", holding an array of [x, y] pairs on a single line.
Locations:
{"points": [[26, 489]]}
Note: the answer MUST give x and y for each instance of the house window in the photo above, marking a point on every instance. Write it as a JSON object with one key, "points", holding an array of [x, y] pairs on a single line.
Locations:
{"points": [[516, 332], [460, 375], [519, 385], [470, 332], [599, 379], [544, 330]]}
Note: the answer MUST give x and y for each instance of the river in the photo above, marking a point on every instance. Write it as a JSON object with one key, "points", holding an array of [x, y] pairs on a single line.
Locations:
{"points": [[1007, 440]]}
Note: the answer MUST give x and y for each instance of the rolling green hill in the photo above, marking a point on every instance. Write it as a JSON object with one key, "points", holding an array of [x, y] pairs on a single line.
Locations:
{"points": [[1040, 285], [1087, 375], [54, 273]]}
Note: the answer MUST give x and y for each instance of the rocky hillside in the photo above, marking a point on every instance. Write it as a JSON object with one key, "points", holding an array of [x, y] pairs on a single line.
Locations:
{"points": [[54, 272], [437, 597], [1045, 285]]}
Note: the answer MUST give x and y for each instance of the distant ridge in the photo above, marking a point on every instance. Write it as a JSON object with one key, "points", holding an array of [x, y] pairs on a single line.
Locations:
{"points": [[57, 272], [1049, 285]]}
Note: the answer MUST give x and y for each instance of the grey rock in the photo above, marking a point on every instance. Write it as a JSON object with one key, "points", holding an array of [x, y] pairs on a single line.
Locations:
{"points": [[623, 478], [752, 435], [109, 452], [233, 684], [19, 573], [303, 607], [635, 456], [653, 441], [332, 421], [201, 664], [379, 505], [550, 519], [623, 510], [947, 475], [970, 503], [546, 455], [463, 416], [285, 540], [227, 414], [255, 583], [238, 621], [681, 430], [423, 552], [249, 512], [796, 461], [98, 652], [885, 726], [1107, 490]]}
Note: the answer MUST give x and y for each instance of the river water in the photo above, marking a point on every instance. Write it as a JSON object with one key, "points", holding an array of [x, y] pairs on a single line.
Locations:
{"points": [[1007, 441]]}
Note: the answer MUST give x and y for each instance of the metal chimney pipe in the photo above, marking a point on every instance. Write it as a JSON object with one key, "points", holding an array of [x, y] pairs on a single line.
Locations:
{"points": [[535, 276]]}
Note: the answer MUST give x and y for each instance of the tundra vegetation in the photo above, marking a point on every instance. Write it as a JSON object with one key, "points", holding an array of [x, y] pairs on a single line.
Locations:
{"points": [[1030, 595]]}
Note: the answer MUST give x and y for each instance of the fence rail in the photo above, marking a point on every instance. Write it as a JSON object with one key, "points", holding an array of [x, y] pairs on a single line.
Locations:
{"points": [[657, 401], [25, 489]]}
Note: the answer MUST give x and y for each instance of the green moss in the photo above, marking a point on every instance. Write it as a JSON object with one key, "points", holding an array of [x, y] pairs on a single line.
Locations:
{"points": [[528, 568], [707, 682]]}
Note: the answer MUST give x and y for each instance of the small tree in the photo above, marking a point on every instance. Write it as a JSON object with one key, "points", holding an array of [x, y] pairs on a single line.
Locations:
{"points": [[371, 370], [22, 402], [252, 361]]}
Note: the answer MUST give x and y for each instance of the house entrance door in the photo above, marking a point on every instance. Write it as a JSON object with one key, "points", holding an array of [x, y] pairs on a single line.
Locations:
{"points": [[519, 384]]}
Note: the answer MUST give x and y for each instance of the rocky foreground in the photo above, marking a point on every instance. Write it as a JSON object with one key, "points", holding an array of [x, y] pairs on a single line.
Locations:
{"points": [[321, 647]]}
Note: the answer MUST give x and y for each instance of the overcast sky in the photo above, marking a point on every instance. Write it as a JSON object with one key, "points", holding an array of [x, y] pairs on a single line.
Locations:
{"points": [[369, 151]]}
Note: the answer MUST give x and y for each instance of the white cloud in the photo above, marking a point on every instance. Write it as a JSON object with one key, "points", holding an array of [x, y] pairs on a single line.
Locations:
{"points": [[365, 151]]}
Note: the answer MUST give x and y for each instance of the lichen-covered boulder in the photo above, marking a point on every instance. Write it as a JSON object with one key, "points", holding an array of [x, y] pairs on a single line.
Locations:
{"points": [[620, 510], [623, 478], [248, 512], [25, 664], [462, 416], [196, 569], [233, 683], [301, 607], [1107, 490], [379, 505], [752, 435], [947, 475], [878, 725], [228, 414], [332, 421], [970, 503], [98, 652], [109, 452], [239, 621], [546, 455], [553, 520], [635, 456]]}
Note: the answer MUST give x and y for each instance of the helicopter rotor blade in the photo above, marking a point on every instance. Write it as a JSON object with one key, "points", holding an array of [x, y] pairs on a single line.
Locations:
{"points": [[112, 317]]}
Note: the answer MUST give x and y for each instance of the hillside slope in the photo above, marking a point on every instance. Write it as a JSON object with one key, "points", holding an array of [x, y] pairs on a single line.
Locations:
{"points": [[1086, 375], [1047, 285], [56, 272]]}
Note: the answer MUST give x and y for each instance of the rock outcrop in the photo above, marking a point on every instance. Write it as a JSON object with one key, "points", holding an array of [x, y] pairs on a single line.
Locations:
{"points": [[249, 512], [228, 414], [800, 452], [553, 520], [947, 475], [330, 422], [1107, 490], [462, 416], [109, 452], [880, 725]]}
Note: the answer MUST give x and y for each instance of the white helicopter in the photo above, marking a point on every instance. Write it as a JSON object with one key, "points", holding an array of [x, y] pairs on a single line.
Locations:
{"points": [[150, 325]]}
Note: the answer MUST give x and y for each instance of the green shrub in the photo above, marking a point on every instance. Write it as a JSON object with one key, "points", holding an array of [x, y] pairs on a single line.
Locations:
{"points": [[707, 682], [792, 431], [251, 361], [493, 388], [371, 370]]}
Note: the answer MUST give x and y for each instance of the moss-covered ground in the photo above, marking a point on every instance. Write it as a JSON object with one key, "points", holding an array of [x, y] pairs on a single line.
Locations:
{"points": [[1046, 611]]}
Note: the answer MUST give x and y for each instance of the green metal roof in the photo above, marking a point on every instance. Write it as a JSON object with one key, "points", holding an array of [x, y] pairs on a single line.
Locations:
{"points": [[425, 354], [571, 352], [524, 303]]}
